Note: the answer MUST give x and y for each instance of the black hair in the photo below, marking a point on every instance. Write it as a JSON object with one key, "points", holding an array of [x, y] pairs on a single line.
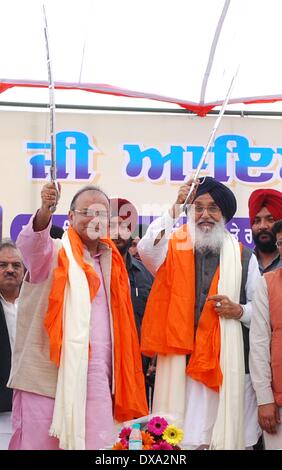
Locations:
{"points": [[277, 227], [139, 231], [56, 232]]}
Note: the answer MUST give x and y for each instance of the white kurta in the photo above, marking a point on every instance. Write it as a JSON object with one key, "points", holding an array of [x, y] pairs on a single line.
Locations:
{"points": [[260, 359]]}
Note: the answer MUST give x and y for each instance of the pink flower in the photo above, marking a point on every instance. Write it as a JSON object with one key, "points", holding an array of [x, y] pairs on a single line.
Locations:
{"points": [[124, 434], [157, 425], [162, 445], [124, 442]]}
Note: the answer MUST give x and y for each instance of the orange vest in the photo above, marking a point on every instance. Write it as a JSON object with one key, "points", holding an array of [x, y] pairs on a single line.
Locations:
{"points": [[274, 284], [168, 324]]}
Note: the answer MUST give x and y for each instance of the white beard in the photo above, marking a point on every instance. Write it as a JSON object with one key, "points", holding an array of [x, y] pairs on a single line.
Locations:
{"points": [[210, 240]]}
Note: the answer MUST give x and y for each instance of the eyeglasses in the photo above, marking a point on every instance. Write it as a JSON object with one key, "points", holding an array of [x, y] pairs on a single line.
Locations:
{"points": [[278, 243], [213, 209], [92, 213], [4, 265]]}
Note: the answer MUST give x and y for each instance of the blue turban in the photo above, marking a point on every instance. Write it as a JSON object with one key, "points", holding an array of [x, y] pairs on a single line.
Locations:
{"points": [[222, 196]]}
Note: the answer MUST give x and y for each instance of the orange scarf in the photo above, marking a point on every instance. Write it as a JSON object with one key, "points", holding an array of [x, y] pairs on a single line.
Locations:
{"points": [[130, 398], [168, 324]]}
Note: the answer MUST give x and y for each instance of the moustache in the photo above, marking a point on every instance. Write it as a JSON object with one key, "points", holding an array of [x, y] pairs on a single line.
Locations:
{"points": [[264, 232], [207, 221]]}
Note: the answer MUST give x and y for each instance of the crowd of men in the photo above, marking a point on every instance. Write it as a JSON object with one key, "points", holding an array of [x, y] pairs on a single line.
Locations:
{"points": [[92, 336]]}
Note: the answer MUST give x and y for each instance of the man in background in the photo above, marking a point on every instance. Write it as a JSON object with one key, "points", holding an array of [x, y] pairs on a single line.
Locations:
{"points": [[266, 351], [138, 233], [265, 207], [11, 276], [56, 231], [123, 224]]}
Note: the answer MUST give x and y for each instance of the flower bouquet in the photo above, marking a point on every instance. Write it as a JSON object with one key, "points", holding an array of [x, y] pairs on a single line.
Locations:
{"points": [[157, 434]]}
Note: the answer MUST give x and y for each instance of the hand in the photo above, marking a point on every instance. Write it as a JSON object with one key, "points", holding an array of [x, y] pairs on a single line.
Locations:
{"points": [[50, 196], [268, 416], [183, 192], [49, 199], [227, 308]]}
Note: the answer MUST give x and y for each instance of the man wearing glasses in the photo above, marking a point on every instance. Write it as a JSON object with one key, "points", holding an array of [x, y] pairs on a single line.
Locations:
{"points": [[266, 351], [76, 364], [197, 320]]}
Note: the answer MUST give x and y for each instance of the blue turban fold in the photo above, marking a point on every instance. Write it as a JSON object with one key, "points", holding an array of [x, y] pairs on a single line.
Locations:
{"points": [[222, 196]]}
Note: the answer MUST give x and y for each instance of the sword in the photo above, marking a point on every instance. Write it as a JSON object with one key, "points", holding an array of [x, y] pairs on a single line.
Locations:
{"points": [[190, 197], [51, 86]]}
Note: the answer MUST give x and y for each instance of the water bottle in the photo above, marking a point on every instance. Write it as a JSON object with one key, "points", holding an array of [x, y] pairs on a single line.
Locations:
{"points": [[135, 438]]}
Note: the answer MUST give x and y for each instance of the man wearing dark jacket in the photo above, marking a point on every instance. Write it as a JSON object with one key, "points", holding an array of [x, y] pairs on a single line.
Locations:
{"points": [[11, 276], [124, 218]]}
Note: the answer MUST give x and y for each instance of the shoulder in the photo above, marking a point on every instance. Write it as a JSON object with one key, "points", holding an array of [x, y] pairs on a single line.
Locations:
{"points": [[273, 275], [247, 252], [57, 243], [248, 259], [136, 264]]}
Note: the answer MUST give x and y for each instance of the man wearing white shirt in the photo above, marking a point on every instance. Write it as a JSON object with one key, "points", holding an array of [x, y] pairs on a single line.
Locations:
{"points": [[265, 350], [200, 309], [11, 276]]}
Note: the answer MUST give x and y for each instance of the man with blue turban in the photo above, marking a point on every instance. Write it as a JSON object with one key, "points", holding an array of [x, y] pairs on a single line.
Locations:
{"points": [[222, 196], [197, 319]]}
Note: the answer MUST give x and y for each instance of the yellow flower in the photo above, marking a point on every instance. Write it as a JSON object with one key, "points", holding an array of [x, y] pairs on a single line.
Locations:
{"points": [[173, 435]]}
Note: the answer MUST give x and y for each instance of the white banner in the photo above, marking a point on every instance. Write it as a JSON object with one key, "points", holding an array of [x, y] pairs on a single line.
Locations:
{"points": [[141, 157]]}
